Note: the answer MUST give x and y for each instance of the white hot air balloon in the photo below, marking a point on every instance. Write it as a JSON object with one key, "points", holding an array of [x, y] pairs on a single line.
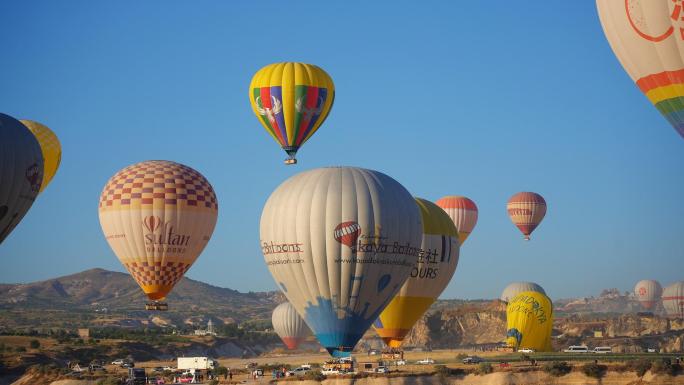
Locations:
{"points": [[340, 243], [648, 292], [516, 288], [289, 326], [673, 300]]}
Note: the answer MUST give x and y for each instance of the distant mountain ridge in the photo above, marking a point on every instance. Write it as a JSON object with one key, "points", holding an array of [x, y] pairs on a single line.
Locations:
{"points": [[98, 289]]}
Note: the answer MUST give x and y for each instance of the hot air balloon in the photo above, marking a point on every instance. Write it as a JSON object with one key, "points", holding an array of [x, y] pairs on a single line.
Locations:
{"points": [[157, 217], [340, 243], [526, 209], [431, 275], [516, 288], [647, 36], [463, 212], [289, 326], [21, 172], [529, 319], [673, 300], [648, 292], [291, 100], [50, 147]]}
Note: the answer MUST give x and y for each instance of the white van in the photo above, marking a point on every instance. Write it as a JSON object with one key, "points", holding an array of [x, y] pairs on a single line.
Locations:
{"points": [[603, 349], [577, 349]]}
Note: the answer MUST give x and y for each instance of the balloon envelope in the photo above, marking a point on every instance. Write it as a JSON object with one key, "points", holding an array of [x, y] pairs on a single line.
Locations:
{"points": [[526, 210], [157, 217], [340, 243], [49, 146], [673, 300], [21, 173], [463, 212], [429, 277], [289, 326], [648, 292], [647, 36], [291, 100], [516, 288], [529, 316]]}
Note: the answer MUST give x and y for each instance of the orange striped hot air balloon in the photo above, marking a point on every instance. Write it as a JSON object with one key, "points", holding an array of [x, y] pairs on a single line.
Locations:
{"points": [[526, 209], [462, 211]]}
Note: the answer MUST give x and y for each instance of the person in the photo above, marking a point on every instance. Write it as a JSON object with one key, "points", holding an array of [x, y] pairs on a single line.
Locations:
{"points": [[230, 374]]}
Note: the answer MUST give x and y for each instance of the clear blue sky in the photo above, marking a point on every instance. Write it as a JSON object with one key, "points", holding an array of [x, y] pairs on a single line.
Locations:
{"points": [[482, 99]]}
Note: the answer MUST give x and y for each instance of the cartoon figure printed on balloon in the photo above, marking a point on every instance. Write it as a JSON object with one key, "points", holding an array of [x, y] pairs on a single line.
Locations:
{"points": [[291, 101]]}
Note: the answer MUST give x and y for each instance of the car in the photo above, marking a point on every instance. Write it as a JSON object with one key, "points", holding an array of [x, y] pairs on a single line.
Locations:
{"points": [[381, 369], [96, 368], [602, 350], [425, 361], [251, 365], [157, 369], [401, 362], [327, 372], [473, 360], [156, 381], [168, 369], [298, 371], [128, 364], [525, 350], [118, 362]]}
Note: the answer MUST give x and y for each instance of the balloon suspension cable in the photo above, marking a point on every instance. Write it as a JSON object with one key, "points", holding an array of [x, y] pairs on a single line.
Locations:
{"points": [[527, 237]]}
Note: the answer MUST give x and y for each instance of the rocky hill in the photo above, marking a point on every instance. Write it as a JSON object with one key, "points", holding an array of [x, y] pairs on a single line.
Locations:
{"points": [[112, 296]]}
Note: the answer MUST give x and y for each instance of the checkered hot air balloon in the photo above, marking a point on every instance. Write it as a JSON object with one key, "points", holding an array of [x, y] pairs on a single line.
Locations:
{"points": [[157, 217], [291, 101]]}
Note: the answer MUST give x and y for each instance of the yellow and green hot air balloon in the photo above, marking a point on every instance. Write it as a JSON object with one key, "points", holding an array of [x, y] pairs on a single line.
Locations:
{"points": [[436, 265], [291, 101], [49, 146], [529, 316]]}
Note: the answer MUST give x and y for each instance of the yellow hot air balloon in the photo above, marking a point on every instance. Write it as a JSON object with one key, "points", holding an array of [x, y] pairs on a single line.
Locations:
{"points": [[529, 316], [291, 101], [157, 217], [429, 277], [49, 146], [647, 36]]}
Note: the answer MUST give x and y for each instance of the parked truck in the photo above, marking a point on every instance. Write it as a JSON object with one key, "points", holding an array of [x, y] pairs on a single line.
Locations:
{"points": [[197, 363]]}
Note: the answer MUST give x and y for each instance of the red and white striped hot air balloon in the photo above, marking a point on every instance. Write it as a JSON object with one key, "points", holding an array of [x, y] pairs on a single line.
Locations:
{"points": [[462, 211], [289, 326], [673, 300], [526, 209], [648, 292]]}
